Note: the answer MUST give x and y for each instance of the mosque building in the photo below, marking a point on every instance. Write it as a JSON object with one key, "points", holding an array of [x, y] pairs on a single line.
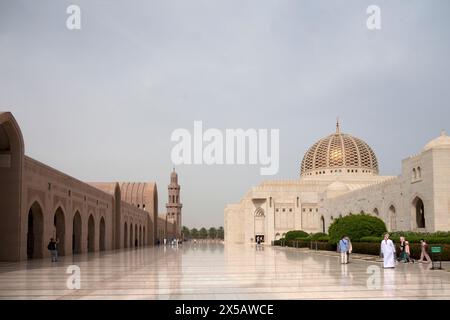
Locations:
{"points": [[339, 176], [38, 202]]}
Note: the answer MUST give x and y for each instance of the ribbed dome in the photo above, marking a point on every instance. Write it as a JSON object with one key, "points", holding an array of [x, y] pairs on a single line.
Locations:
{"points": [[339, 153]]}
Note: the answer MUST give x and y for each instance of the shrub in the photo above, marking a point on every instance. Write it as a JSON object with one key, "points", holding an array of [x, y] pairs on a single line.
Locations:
{"points": [[355, 227], [296, 234], [366, 248], [318, 236], [323, 239], [371, 239], [305, 243]]}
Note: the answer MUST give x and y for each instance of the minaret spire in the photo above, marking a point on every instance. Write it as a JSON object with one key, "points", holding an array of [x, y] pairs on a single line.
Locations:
{"points": [[174, 205]]}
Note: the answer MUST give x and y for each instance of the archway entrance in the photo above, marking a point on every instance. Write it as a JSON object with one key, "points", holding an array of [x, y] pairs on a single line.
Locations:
{"points": [[125, 235], [322, 222], [91, 234], [144, 239], [392, 219], [35, 232], [11, 182], [59, 223], [419, 211], [76, 235], [131, 236], [102, 244], [259, 224], [136, 236]]}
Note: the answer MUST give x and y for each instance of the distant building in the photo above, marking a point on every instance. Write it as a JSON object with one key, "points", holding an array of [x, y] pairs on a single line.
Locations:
{"points": [[338, 177]]}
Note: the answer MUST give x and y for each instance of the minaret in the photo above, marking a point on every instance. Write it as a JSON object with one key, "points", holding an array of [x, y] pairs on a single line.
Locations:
{"points": [[174, 206]]}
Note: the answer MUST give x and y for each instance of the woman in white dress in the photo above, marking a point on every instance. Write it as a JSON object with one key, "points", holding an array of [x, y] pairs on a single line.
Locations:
{"points": [[388, 252]]}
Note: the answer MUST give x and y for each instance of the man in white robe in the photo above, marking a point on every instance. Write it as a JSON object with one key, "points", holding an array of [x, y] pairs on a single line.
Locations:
{"points": [[388, 252]]}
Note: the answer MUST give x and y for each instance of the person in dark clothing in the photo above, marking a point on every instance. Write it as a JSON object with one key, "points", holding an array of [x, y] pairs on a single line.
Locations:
{"points": [[52, 247]]}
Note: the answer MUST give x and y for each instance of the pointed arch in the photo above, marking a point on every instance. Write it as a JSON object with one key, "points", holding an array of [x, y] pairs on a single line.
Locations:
{"points": [[11, 171], [418, 209], [125, 235], [91, 234], [77, 229], [102, 235], [392, 218], [35, 232], [59, 230]]}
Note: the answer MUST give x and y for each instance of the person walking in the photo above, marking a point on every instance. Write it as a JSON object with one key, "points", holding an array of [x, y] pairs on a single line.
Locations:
{"points": [[408, 253], [405, 252], [424, 253], [402, 255], [343, 249], [350, 249], [52, 247], [388, 252]]}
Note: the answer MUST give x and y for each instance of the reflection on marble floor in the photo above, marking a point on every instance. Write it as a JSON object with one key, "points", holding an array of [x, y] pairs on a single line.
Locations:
{"points": [[215, 271]]}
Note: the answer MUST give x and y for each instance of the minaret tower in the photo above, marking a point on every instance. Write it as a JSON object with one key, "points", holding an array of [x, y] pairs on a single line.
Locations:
{"points": [[174, 206]]}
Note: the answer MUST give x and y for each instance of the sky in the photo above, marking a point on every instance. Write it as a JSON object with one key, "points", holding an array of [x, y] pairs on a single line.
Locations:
{"points": [[100, 103]]}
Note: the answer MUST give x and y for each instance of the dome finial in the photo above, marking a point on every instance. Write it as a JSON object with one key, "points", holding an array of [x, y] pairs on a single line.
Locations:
{"points": [[338, 128], [443, 133]]}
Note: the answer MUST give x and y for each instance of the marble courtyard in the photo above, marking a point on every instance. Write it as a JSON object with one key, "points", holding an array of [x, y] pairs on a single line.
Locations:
{"points": [[217, 271]]}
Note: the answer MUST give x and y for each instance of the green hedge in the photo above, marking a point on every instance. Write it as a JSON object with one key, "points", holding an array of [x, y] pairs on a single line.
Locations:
{"points": [[371, 248], [411, 234], [431, 239], [296, 234], [356, 227], [303, 243], [318, 237], [374, 249]]}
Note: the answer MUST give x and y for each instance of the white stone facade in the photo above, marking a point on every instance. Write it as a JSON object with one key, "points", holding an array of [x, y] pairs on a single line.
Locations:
{"points": [[340, 176]]}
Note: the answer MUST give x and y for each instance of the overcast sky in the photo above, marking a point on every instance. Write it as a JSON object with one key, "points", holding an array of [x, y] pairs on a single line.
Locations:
{"points": [[100, 103]]}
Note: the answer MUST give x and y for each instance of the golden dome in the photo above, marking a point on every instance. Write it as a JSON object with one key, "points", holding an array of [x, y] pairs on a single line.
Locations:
{"points": [[339, 153]]}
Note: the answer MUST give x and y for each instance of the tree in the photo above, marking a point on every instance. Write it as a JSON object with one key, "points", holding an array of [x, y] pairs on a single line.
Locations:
{"points": [[203, 233], [194, 233], [356, 226], [212, 233], [186, 232], [220, 233]]}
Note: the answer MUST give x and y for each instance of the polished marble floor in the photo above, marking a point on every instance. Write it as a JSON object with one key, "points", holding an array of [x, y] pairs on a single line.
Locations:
{"points": [[217, 271]]}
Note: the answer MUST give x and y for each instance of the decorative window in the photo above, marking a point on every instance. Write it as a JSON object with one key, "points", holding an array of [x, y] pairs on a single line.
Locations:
{"points": [[259, 212]]}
